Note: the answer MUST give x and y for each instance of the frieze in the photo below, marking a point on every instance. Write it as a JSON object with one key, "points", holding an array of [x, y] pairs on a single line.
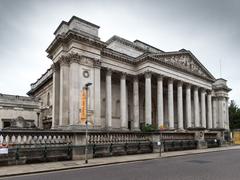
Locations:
{"points": [[77, 58], [184, 62]]}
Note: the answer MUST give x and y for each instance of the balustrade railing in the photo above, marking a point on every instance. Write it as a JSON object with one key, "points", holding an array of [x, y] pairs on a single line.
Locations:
{"points": [[34, 138], [114, 138], [177, 136]]}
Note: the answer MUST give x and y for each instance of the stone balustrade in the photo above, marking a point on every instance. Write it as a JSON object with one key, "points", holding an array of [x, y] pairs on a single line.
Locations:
{"points": [[14, 138], [113, 138], [27, 146]]}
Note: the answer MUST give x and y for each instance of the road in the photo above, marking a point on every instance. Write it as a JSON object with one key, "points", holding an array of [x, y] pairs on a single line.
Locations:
{"points": [[223, 165]]}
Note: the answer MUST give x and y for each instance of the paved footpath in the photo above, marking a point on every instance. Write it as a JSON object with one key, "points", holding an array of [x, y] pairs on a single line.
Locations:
{"points": [[64, 165]]}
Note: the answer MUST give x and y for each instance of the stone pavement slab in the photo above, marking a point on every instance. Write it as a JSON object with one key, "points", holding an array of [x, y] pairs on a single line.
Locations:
{"points": [[64, 165]]}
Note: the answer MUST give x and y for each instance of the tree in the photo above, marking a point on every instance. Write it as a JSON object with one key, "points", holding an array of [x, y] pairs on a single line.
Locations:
{"points": [[234, 116]]}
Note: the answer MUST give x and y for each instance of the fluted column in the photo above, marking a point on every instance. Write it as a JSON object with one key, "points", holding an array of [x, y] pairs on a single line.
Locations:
{"points": [[196, 107], [227, 114], [188, 106], [215, 111], [180, 105], [109, 98], [123, 103], [209, 110], [74, 90], [135, 104], [64, 93], [203, 108], [56, 95], [97, 94], [160, 101], [170, 104], [148, 99]]}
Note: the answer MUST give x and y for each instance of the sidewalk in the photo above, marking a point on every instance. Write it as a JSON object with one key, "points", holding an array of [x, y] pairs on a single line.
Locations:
{"points": [[64, 165]]}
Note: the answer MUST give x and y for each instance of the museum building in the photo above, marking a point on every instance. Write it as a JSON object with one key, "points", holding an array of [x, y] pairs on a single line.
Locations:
{"points": [[133, 85]]}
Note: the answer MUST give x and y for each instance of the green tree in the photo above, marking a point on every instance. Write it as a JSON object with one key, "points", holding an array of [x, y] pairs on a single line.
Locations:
{"points": [[234, 116]]}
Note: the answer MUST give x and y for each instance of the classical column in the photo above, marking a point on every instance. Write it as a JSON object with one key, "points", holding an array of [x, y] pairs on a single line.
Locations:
{"points": [[64, 93], [109, 98], [196, 107], [56, 95], [203, 108], [221, 111], [209, 110], [74, 95], [97, 93], [135, 104], [227, 114], [180, 105], [188, 106], [160, 101], [148, 99], [170, 104], [215, 111], [123, 104]]}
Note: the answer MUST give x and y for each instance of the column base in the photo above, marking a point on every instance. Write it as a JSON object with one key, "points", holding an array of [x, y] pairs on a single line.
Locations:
{"points": [[181, 130], [136, 129], [124, 129], [196, 129], [216, 129]]}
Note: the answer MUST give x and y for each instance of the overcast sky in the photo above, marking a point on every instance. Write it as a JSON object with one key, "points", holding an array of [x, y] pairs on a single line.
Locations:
{"points": [[209, 28]]}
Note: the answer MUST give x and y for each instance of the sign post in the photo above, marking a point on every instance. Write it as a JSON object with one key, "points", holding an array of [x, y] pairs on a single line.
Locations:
{"points": [[85, 115]]}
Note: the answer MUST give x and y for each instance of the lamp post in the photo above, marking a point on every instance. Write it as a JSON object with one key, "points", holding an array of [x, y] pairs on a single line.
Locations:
{"points": [[86, 145]]}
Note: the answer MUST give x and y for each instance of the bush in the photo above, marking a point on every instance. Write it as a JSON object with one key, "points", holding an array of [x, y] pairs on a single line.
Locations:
{"points": [[148, 128]]}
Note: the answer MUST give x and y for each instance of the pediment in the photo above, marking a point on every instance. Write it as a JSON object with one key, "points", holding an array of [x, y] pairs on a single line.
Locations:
{"points": [[185, 61]]}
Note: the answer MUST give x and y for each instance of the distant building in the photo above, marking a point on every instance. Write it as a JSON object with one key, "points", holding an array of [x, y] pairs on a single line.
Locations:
{"points": [[133, 84], [15, 109]]}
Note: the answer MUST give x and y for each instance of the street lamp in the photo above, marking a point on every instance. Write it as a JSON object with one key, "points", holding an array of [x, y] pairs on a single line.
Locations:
{"points": [[86, 147]]}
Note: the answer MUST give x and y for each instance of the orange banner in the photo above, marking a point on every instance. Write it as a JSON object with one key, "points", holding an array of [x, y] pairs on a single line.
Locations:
{"points": [[83, 106]]}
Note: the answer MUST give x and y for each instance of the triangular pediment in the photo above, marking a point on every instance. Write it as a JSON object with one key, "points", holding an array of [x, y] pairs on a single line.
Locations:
{"points": [[185, 61]]}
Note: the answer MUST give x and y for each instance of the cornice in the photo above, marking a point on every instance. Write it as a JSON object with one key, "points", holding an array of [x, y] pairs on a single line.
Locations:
{"points": [[117, 55], [125, 42], [72, 35]]}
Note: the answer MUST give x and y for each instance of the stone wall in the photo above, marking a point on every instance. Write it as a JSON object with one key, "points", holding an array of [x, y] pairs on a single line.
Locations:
{"points": [[12, 107]]}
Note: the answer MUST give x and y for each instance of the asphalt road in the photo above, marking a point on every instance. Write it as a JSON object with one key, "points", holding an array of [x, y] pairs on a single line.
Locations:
{"points": [[223, 165]]}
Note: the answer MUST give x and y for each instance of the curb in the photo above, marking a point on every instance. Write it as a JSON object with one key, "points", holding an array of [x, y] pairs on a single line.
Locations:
{"points": [[111, 163]]}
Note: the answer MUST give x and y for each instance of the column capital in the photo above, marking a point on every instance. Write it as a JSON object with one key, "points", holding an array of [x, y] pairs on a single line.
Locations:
{"points": [[64, 61], [160, 77], [55, 66], [148, 74], [109, 72], [196, 88], [179, 83], [135, 78], [170, 80], [123, 75], [97, 63], [188, 85], [209, 92], [202, 90], [73, 60]]}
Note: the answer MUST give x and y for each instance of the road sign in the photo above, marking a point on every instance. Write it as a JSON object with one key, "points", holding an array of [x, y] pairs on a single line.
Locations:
{"points": [[3, 150]]}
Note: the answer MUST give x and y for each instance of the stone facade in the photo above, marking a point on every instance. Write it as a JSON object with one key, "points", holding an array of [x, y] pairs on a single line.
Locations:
{"points": [[14, 109], [42, 90], [133, 84]]}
